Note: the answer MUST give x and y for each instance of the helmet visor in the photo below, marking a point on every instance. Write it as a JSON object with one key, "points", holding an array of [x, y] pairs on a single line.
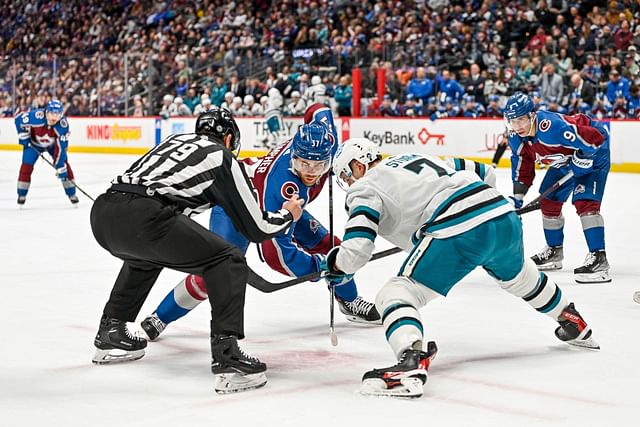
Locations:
{"points": [[311, 167]]}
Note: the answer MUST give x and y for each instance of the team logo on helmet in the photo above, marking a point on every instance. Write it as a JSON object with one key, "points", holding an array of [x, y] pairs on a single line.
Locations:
{"points": [[288, 189]]}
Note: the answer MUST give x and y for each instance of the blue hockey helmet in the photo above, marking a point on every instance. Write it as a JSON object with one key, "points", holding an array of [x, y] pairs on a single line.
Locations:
{"points": [[55, 107], [311, 151], [518, 105], [494, 98]]}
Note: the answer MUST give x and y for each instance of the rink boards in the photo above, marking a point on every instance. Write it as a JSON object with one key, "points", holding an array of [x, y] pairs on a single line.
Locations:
{"points": [[470, 138]]}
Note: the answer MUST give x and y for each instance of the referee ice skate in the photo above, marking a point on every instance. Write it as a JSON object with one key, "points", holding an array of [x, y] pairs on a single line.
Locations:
{"points": [[143, 219]]}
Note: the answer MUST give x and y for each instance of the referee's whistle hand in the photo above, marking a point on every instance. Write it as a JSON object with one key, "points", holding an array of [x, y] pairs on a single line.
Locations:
{"points": [[294, 205]]}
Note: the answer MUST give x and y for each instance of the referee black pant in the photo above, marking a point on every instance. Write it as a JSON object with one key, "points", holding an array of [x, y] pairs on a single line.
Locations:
{"points": [[149, 234]]}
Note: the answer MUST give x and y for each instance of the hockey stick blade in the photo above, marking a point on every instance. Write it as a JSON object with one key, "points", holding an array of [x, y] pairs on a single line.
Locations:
{"points": [[529, 208], [263, 285]]}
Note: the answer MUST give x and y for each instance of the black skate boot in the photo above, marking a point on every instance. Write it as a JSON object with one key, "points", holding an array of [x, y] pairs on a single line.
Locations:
{"points": [[153, 326], [549, 259], [404, 379], [74, 199], [574, 330], [114, 343], [359, 311], [234, 370], [22, 200], [594, 270]]}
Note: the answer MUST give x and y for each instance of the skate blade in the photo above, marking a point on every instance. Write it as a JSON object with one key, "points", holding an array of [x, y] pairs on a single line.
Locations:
{"points": [[234, 383], [585, 343], [550, 266], [356, 319], [636, 297], [105, 357], [411, 388], [591, 278]]}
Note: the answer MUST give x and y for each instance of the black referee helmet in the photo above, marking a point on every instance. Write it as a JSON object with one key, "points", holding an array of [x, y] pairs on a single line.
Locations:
{"points": [[217, 123]]}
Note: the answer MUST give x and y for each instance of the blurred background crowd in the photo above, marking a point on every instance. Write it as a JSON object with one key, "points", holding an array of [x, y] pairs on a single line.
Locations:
{"points": [[441, 58]]}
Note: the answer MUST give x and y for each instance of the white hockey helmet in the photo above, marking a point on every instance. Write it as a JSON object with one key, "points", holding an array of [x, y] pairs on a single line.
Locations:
{"points": [[316, 80], [360, 149], [248, 99], [273, 92]]}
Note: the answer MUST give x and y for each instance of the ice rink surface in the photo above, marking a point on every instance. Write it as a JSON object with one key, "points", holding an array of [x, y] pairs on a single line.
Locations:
{"points": [[499, 362]]}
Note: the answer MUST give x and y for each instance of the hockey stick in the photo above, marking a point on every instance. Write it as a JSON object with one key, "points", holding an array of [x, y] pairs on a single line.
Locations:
{"points": [[332, 288], [535, 203], [72, 181], [263, 285]]}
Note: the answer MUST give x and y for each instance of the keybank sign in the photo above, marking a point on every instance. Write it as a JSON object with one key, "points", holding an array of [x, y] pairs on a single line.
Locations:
{"points": [[407, 138], [389, 137]]}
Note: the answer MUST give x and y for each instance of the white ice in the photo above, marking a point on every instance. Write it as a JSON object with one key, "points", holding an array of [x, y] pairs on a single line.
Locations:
{"points": [[499, 362]]}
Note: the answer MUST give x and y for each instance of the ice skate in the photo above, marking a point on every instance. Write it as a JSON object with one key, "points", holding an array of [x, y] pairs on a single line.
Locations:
{"points": [[405, 379], [233, 369], [594, 270], [636, 296], [74, 199], [152, 326], [549, 258], [21, 201], [114, 343], [574, 330], [359, 311]]}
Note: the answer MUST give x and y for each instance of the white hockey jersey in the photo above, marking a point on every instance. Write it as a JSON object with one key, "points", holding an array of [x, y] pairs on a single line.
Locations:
{"points": [[410, 195]]}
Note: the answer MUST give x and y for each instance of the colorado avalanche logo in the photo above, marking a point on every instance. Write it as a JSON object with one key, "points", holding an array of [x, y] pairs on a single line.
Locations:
{"points": [[545, 125], [314, 226], [288, 189], [579, 189], [553, 160]]}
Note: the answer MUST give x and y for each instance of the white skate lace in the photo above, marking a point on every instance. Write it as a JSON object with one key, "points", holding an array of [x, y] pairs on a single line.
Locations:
{"points": [[590, 259], [130, 335], [545, 253], [360, 306], [158, 324]]}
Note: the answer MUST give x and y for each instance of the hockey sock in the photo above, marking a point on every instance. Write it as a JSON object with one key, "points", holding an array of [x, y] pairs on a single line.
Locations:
{"points": [[347, 292], [593, 228], [182, 299], [553, 230], [402, 326]]}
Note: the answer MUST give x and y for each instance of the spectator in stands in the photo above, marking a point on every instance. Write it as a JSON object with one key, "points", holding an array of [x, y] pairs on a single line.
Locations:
{"points": [[617, 85], [411, 108], [205, 104], [631, 69], [177, 108], [551, 85], [623, 36], [584, 92], [139, 110], [167, 102], [343, 95], [218, 91], [421, 87], [191, 99], [448, 87], [387, 108]]}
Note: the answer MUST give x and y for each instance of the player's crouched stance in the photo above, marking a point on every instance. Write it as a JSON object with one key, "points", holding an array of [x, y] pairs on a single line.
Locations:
{"points": [[441, 217], [144, 219]]}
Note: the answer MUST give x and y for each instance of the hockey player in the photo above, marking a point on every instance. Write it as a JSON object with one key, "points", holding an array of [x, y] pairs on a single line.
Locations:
{"points": [[143, 219], [441, 217], [299, 166], [43, 130], [563, 143], [273, 116], [316, 93]]}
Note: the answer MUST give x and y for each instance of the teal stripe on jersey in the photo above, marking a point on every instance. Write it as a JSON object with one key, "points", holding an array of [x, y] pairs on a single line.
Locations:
{"points": [[403, 322], [482, 171], [467, 216], [453, 196], [370, 234], [366, 209], [458, 164]]}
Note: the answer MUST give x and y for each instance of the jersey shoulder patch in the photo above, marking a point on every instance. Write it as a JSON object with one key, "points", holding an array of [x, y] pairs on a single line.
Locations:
{"points": [[39, 114], [64, 123]]}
